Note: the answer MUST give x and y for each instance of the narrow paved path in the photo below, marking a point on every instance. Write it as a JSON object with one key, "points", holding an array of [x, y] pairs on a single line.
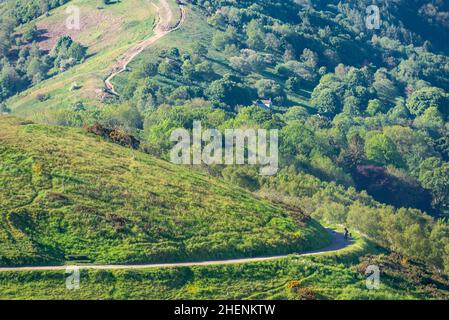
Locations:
{"points": [[163, 27], [338, 243]]}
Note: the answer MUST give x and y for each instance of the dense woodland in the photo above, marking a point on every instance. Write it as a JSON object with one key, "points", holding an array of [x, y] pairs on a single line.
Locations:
{"points": [[363, 114]]}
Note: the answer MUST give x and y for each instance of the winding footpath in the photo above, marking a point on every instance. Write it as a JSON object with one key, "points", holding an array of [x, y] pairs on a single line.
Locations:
{"points": [[338, 243], [163, 28]]}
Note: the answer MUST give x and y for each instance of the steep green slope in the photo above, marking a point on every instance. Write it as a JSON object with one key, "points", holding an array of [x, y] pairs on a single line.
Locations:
{"points": [[66, 193]]}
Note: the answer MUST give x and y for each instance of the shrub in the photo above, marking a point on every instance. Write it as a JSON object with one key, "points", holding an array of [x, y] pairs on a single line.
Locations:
{"points": [[116, 135]]}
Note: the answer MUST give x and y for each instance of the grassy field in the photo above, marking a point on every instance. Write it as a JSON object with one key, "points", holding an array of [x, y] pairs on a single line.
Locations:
{"points": [[107, 31], [326, 276], [67, 193]]}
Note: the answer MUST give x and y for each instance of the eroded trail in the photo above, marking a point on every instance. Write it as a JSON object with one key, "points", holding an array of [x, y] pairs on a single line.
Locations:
{"points": [[338, 243], [164, 26]]}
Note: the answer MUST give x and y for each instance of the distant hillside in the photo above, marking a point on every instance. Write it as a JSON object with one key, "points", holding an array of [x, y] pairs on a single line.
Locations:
{"points": [[66, 194]]}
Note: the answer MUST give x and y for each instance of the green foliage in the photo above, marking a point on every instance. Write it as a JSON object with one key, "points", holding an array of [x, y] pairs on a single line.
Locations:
{"points": [[425, 98], [326, 102], [229, 91], [381, 149], [33, 65], [243, 177], [407, 231], [434, 175], [30, 34], [68, 53]]}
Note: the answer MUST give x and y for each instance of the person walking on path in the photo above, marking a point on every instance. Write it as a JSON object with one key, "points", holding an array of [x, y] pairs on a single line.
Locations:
{"points": [[346, 233]]}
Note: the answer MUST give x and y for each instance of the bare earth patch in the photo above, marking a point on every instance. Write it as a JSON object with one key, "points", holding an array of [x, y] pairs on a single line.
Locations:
{"points": [[91, 21]]}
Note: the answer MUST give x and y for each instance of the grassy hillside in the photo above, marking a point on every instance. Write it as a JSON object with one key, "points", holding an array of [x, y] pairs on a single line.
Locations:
{"points": [[66, 193], [107, 31]]}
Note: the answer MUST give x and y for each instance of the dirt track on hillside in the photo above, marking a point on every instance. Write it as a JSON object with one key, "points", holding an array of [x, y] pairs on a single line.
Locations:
{"points": [[338, 243], [163, 27]]}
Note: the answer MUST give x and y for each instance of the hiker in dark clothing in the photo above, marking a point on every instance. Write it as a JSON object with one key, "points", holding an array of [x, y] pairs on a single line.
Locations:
{"points": [[346, 233]]}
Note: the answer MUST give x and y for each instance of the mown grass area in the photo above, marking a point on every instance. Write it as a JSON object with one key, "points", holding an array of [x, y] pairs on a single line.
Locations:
{"points": [[121, 25], [65, 193], [326, 276]]}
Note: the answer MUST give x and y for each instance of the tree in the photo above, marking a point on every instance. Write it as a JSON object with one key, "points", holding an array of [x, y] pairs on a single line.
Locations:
{"points": [[439, 238], [4, 108], [67, 53], [205, 71], [434, 175], [77, 52], [10, 81], [62, 45], [428, 97], [391, 187], [255, 35], [442, 145], [221, 39], [217, 20], [44, 6], [326, 102], [297, 69], [126, 116], [168, 68], [382, 150], [412, 145], [399, 112], [244, 177], [374, 107], [309, 58], [36, 70], [292, 84], [431, 119], [150, 69], [7, 26], [354, 78], [248, 61], [228, 91], [269, 89], [30, 34], [366, 220], [385, 88], [188, 70], [352, 106], [354, 154], [200, 49]]}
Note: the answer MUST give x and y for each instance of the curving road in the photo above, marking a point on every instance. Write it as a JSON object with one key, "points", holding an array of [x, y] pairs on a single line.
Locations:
{"points": [[163, 27], [338, 243]]}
